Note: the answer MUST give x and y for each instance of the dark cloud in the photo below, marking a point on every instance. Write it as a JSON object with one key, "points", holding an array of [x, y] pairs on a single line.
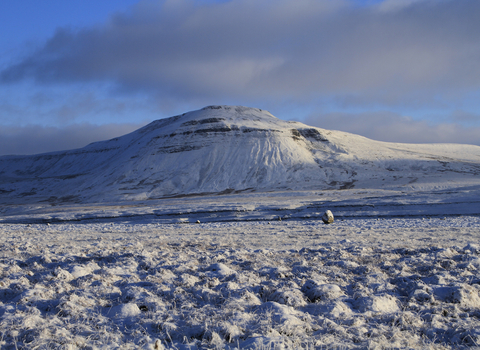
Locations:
{"points": [[65, 105], [36, 139], [465, 117], [393, 52], [392, 127]]}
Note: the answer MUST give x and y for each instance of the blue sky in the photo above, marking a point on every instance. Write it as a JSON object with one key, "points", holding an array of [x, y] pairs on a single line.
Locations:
{"points": [[73, 72]]}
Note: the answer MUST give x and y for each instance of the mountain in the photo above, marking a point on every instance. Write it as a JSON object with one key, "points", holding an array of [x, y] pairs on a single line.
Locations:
{"points": [[230, 149]]}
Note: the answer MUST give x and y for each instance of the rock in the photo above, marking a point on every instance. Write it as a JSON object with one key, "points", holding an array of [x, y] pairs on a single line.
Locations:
{"points": [[327, 217]]}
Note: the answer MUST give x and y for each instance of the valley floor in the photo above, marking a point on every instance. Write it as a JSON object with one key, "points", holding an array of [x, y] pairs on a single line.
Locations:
{"points": [[392, 283]]}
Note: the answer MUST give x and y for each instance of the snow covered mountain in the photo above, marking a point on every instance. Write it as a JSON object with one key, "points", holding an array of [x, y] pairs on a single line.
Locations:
{"points": [[231, 149]]}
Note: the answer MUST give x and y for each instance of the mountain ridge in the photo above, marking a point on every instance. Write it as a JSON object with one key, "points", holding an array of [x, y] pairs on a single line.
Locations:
{"points": [[228, 149]]}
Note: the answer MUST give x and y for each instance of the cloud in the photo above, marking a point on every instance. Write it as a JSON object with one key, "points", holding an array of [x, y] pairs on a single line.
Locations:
{"points": [[35, 139], [61, 105], [396, 5], [412, 52], [392, 127], [465, 117]]}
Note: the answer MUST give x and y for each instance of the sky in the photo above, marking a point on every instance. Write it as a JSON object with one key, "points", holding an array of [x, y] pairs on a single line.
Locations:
{"points": [[78, 71]]}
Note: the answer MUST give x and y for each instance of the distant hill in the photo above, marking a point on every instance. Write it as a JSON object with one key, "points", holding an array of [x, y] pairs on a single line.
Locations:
{"points": [[230, 149]]}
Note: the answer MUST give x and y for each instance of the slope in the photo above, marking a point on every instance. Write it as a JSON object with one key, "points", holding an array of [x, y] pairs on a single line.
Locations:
{"points": [[230, 149]]}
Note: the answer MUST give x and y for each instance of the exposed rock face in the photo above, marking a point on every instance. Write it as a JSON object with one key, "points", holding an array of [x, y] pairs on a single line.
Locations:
{"points": [[219, 149], [327, 217]]}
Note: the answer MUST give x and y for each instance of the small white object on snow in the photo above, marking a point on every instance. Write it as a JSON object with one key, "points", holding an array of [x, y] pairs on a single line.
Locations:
{"points": [[327, 217]]}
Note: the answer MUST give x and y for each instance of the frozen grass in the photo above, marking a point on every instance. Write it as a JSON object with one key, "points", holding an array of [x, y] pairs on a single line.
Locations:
{"points": [[101, 287]]}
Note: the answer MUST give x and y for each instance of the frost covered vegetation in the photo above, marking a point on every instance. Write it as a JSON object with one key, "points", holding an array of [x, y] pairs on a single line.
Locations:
{"points": [[356, 284], [99, 249]]}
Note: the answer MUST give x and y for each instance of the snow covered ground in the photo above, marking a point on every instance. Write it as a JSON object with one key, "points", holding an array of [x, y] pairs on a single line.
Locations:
{"points": [[139, 276], [100, 247]]}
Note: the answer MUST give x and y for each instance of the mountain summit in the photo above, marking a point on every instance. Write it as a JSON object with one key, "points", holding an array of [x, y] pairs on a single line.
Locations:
{"points": [[229, 149]]}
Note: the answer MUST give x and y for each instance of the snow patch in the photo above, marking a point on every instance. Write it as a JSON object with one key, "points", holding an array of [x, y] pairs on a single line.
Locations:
{"points": [[125, 311]]}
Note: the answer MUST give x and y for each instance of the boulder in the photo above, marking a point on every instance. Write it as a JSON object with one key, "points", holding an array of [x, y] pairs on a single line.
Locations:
{"points": [[327, 217]]}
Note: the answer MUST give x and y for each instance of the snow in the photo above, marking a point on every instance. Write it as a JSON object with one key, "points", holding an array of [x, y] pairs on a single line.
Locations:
{"points": [[297, 283], [228, 150], [205, 231]]}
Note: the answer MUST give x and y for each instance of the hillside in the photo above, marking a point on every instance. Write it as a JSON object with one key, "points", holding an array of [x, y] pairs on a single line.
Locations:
{"points": [[230, 149]]}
